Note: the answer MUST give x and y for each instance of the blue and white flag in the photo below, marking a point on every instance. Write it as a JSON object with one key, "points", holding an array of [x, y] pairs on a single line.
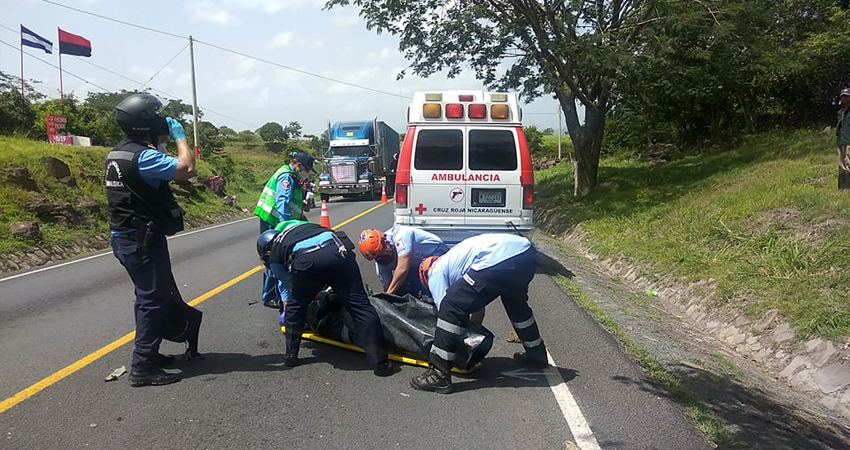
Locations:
{"points": [[33, 40]]}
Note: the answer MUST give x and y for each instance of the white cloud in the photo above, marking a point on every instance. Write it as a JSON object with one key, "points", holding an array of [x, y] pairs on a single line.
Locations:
{"points": [[238, 84], [273, 6], [282, 39], [210, 12], [347, 21], [383, 55], [264, 97]]}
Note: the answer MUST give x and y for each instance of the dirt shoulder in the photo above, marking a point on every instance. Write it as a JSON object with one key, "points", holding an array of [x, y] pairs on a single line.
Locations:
{"points": [[759, 408]]}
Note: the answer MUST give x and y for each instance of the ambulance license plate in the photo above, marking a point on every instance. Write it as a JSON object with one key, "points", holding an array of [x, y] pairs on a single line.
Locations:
{"points": [[488, 197]]}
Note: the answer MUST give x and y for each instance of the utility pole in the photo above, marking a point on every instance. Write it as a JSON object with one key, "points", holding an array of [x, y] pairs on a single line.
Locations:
{"points": [[194, 99], [559, 132]]}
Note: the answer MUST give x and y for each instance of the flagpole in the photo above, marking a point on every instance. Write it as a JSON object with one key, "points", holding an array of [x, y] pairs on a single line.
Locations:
{"points": [[22, 64], [194, 99], [61, 92]]}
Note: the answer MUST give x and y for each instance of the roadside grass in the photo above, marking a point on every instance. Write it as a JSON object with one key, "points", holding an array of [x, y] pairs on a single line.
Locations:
{"points": [[247, 171], [763, 220], [695, 408]]}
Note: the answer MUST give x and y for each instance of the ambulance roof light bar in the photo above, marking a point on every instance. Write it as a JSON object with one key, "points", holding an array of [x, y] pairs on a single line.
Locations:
{"points": [[455, 106]]}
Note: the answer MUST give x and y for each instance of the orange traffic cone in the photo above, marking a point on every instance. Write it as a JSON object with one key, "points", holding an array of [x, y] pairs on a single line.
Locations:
{"points": [[383, 192], [325, 220]]}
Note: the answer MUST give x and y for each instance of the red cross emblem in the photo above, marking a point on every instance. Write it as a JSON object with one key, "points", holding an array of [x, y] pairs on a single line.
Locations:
{"points": [[420, 209]]}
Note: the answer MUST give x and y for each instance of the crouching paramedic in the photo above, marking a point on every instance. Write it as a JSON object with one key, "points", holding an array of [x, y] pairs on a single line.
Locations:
{"points": [[397, 255], [308, 257], [467, 278]]}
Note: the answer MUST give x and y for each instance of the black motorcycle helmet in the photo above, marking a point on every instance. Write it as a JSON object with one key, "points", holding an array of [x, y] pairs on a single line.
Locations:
{"points": [[138, 115], [264, 244]]}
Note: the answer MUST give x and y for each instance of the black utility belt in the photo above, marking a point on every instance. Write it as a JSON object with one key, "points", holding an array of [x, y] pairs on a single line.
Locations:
{"points": [[313, 248]]}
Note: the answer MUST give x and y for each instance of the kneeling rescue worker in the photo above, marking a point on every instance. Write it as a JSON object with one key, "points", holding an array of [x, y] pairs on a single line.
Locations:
{"points": [[308, 257], [466, 279]]}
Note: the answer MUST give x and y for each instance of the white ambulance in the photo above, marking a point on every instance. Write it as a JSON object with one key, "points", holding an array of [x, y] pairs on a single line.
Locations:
{"points": [[464, 167]]}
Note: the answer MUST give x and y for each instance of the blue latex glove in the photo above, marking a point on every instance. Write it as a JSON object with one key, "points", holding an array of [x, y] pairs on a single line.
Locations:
{"points": [[323, 300], [175, 130]]}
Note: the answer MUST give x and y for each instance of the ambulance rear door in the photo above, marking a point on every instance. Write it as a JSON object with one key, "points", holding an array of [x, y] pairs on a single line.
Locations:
{"points": [[493, 196], [437, 172]]}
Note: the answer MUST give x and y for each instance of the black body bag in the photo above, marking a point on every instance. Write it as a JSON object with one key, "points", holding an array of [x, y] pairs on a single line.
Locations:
{"points": [[408, 323]]}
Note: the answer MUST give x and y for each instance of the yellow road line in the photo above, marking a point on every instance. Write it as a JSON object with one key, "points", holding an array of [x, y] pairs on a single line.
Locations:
{"points": [[57, 376]]}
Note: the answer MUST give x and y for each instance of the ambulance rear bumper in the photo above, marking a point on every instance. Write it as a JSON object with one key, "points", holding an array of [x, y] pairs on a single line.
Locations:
{"points": [[454, 234]]}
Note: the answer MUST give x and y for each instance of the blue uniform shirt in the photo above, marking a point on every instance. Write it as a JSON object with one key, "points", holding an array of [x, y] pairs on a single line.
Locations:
{"points": [[286, 185], [409, 240], [475, 253], [155, 168]]}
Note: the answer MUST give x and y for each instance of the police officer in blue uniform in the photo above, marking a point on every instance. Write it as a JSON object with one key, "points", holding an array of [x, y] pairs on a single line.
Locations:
{"points": [[466, 279], [143, 212], [311, 257]]}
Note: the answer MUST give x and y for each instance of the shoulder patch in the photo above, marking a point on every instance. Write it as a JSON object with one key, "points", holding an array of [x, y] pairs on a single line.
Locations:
{"points": [[285, 184]]}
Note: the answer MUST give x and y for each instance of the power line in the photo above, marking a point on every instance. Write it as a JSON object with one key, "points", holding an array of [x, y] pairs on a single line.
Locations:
{"points": [[218, 47], [299, 70], [115, 20], [56, 67], [121, 76], [163, 67], [167, 94]]}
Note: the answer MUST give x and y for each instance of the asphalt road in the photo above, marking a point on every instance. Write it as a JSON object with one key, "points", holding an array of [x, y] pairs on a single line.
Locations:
{"points": [[63, 329]]}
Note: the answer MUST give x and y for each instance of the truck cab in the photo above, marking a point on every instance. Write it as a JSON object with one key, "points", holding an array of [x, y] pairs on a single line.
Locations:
{"points": [[465, 167], [359, 159]]}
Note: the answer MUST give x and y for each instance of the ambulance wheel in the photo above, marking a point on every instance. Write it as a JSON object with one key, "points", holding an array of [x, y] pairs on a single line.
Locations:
{"points": [[325, 197]]}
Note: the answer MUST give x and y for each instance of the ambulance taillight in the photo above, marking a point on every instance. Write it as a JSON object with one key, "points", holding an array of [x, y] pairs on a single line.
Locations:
{"points": [[528, 196], [400, 195], [465, 98]]}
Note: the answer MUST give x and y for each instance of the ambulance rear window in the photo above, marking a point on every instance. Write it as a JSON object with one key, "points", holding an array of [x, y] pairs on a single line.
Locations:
{"points": [[492, 150], [439, 150]]}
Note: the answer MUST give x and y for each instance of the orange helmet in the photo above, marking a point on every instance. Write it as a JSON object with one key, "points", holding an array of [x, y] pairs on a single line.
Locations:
{"points": [[371, 243], [424, 268]]}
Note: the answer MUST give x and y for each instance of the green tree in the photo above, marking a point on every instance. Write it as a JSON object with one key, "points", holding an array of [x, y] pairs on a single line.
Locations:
{"points": [[247, 136], [570, 48], [226, 131], [16, 113], [293, 130], [272, 132], [177, 109], [210, 141]]}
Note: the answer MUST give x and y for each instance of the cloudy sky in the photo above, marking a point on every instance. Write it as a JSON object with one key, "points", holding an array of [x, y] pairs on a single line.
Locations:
{"points": [[316, 65]]}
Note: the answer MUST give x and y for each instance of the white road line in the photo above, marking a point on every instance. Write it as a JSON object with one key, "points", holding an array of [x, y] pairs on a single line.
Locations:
{"points": [[579, 428], [109, 252]]}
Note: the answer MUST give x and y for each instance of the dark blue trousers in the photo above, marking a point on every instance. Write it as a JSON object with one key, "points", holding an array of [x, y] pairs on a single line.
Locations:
{"points": [[476, 289], [150, 270], [313, 271]]}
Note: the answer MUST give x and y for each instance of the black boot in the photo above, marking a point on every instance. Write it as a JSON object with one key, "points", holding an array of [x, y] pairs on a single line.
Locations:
{"points": [[527, 360], [290, 361], [156, 377], [386, 368], [433, 380]]}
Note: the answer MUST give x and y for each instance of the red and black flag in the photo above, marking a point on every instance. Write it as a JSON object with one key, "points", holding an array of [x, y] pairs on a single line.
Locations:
{"points": [[71, 44]]}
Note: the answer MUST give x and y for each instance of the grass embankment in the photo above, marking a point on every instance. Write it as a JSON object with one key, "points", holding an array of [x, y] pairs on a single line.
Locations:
{"points": [[244, 171], [763, 219]]}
